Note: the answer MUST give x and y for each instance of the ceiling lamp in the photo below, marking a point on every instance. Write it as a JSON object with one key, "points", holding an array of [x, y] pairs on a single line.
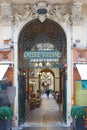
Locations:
{"points": [[48, 63]]}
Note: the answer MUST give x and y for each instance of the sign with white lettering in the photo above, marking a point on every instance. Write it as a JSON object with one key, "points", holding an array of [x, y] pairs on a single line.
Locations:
{"points": [[42, 55]]}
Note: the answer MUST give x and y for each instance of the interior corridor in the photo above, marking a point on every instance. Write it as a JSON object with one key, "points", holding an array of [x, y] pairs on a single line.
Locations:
{"points": [[46, 117]]}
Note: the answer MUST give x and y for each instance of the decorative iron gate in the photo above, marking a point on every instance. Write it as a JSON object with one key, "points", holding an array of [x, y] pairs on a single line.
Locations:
{"points": [[64, 98], [21, 98]]}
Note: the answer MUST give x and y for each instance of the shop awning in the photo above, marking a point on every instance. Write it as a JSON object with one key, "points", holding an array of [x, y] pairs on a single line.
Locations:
{"points": [[82, 69], [3, 69]]}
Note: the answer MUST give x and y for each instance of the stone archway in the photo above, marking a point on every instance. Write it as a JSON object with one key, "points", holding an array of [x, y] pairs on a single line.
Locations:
{"points": [[50, 74], [68, 41], [36, 36]]}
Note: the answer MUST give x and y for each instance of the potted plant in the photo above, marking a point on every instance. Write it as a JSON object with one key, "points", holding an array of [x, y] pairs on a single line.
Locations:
{"points": [[78, 114], [6, 115]]}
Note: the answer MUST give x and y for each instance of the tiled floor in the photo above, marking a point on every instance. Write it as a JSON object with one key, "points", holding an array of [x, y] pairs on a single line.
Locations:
{"points": [[46, 117]]}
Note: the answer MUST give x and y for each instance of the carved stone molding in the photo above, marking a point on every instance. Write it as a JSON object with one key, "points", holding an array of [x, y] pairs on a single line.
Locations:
{"points": [[77, 12], [66, 13], [7, 21], [41, 11], [62, 13], [22, 13], [77, 1], [6, 13]]}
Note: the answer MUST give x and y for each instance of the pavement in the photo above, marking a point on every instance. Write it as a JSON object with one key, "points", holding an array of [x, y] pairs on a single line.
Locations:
{"points": [[46, 117]]}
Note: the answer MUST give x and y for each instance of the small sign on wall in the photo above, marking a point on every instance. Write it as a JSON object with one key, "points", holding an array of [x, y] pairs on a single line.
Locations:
{"points": [[80, 55]]}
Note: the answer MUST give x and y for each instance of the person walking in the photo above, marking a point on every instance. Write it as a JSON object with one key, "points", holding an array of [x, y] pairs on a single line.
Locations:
{"points": [[48, 92]]}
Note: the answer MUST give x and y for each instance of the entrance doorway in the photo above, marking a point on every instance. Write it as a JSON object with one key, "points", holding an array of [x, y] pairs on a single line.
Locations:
{"points": [[46, 80], [41, 58]]}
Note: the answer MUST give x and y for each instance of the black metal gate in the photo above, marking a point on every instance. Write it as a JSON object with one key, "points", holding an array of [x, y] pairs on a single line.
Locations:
{"points": [[64, 98], [21, 98]]}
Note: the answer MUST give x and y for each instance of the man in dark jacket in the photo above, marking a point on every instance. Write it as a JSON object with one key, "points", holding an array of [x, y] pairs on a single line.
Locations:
{"points": [[48, 92]]}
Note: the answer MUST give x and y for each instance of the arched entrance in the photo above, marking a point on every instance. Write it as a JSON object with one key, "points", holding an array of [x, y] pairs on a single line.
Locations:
{"points": [[18, 33], [46, 80], [40, 45]]}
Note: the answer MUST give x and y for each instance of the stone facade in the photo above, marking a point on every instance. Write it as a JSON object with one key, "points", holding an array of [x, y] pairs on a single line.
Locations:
{"points": [[72, 17]]}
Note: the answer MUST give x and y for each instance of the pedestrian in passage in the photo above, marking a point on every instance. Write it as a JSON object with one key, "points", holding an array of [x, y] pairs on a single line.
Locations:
{"points": [[48, 92]]}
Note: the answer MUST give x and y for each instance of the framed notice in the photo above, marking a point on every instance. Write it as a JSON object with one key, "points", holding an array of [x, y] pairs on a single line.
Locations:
{"points": [[81, 94]]}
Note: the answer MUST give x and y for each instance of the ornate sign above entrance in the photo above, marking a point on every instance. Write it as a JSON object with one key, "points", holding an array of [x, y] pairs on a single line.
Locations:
{"points": [[42, 55]]}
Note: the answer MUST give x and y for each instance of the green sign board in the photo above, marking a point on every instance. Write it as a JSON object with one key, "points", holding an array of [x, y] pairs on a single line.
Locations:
{"points": [[42, 54]]}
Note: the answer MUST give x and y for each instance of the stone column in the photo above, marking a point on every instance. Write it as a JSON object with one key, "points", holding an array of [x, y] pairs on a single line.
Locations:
{"points": [[6, 19], [77, 12], [16, 83]]}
